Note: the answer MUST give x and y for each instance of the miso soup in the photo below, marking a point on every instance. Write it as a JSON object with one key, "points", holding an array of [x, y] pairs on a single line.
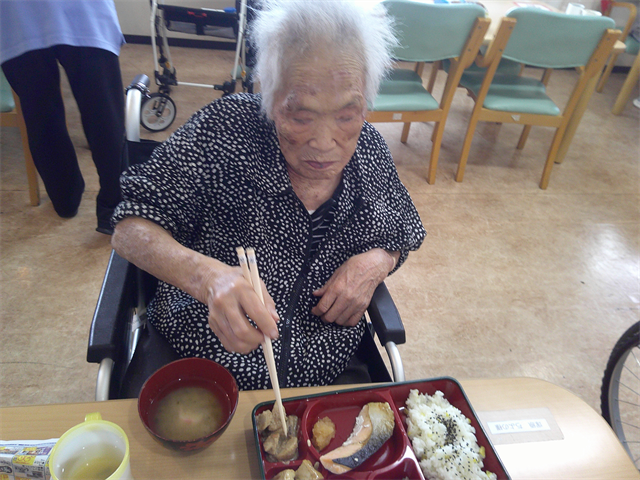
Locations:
{"points": [[188, 413]]}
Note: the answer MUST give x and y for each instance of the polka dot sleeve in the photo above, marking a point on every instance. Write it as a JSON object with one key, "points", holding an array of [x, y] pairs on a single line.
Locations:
{"points": [[170, 188]]}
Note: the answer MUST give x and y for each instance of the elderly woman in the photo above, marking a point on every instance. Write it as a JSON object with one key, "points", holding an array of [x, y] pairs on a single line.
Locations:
{"points": [[298, 174]]}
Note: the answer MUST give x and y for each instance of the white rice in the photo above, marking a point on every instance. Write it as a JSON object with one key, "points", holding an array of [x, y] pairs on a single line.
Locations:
{"points": [[443, 439]]}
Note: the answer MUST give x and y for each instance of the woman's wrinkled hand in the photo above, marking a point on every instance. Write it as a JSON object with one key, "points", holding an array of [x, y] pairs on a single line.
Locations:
{"points": [[231, 298], [347, 294]]}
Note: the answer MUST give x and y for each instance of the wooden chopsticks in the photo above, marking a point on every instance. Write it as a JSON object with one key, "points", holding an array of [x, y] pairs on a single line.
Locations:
{"points": [[249, 267]]}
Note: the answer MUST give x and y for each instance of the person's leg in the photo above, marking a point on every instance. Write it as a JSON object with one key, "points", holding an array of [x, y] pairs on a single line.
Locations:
{"points": [[96, 81], [35, 77]]}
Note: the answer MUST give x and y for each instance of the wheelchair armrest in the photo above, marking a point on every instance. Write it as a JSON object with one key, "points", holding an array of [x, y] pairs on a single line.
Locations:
{"points": [[115, 301], [385, 317]]}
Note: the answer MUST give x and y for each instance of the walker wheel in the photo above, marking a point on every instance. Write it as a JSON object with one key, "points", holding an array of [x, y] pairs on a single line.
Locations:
{"points": [[157, 112]]}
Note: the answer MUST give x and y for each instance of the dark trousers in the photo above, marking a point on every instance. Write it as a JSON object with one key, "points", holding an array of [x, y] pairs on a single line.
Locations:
{"points": [[96, 82]]}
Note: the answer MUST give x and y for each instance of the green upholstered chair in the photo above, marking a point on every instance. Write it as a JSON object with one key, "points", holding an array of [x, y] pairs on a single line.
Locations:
{"points": [[11, 116], [632, 47], [542, 39], [427, 33], [505, 66]]}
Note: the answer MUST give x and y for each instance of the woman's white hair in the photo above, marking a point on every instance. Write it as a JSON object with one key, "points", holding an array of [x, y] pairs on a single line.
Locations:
{"points": [[287, 31]]}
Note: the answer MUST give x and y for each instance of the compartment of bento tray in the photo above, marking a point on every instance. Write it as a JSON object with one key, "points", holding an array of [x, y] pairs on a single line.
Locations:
{"points": [[454, 393], [343, 408], [404, 468], [270, 469], [407, 468]]}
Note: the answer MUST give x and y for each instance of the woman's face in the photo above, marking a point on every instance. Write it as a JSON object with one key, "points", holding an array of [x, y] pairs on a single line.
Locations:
{"points": [[319, 115]]}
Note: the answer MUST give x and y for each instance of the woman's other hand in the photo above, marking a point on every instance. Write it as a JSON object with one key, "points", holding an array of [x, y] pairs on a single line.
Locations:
{"points": [[347, 294]]}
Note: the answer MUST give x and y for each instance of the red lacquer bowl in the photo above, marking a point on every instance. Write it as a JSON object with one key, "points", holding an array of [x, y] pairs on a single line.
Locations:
{"points": [[188, 372]]}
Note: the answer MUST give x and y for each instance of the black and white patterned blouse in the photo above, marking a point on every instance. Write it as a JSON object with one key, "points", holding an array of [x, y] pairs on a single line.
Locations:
{"points": [[220, 182]]}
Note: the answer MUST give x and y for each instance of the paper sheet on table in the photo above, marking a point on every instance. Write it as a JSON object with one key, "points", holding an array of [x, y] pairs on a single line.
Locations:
{"points": [[520, 426]]}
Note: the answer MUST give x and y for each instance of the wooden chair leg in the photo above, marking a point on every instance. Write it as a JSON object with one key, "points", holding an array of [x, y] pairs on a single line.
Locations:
{"points": [[435, 152], [432, 76], [607, 72], [523, 137], [627, 87], [466, 146], [551, 157], [445, 94], [32, 174], [574, 121], [405, 132]]}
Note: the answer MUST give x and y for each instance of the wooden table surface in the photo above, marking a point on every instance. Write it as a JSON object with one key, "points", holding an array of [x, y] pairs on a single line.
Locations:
{"points": [[496, 9], [589, 449]]}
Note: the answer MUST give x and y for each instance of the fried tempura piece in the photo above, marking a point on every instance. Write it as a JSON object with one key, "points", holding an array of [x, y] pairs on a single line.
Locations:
{"points": [[287, 474], [275, 423], [278, 446], [293, 425], [263, 420], [307, 472], [288, 449], [271, 443]]}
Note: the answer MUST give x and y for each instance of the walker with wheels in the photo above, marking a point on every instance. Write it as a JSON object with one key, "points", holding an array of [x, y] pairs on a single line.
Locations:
{"points": [[158, 110]]}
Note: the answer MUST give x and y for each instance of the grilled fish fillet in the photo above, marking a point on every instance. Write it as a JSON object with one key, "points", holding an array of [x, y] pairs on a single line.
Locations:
{"points": [[374, 426]]}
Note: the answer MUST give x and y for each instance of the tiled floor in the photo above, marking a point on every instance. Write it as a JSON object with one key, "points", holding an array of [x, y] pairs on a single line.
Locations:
{"points": [[511, 280]]}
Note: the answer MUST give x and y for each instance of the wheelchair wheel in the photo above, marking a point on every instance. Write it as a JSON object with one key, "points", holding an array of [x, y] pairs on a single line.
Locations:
{"points": [[157, 112], [620, 394]]}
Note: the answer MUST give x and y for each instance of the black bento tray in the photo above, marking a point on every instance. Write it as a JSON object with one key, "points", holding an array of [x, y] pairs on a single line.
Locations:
{"points": [[395, 459]]}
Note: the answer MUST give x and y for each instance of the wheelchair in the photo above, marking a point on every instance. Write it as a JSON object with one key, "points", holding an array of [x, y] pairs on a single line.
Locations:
{"points": [[129, 349]]}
